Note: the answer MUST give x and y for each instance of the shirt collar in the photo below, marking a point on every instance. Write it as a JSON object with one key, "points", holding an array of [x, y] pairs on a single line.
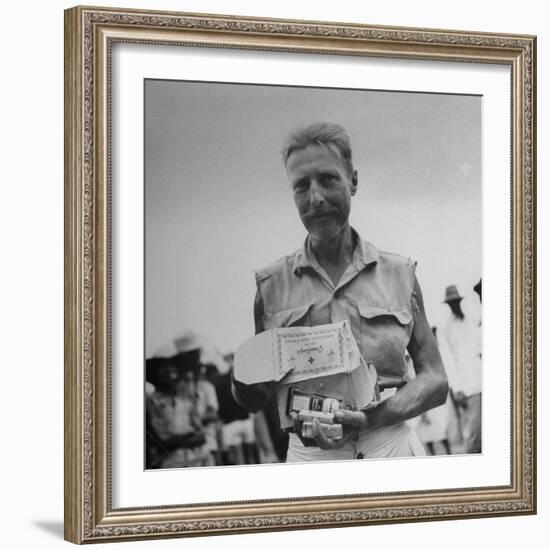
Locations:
{"points": [[364, 254]]}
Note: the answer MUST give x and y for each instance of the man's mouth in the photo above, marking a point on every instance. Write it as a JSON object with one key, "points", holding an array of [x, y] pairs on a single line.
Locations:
{"points": [[320, 215]]}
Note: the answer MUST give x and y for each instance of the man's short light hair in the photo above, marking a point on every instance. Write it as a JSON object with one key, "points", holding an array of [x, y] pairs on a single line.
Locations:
{"points": [[327, 134]]}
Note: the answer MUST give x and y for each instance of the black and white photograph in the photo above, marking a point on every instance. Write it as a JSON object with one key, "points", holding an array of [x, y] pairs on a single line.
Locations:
{"points": [[313, 274], [300, 282]]}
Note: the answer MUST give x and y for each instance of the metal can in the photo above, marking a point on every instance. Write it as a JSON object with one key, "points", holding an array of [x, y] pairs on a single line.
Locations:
{"points": [[330, 405], [334, 431], [300, 401], [320, 416]]}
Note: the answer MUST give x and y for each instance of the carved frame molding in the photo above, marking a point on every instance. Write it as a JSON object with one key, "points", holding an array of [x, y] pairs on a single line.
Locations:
{"points": [[89, 35]]}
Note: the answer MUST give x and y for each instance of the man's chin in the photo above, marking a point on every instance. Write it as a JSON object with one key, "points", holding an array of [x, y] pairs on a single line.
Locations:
{"points": [[324, 234]]}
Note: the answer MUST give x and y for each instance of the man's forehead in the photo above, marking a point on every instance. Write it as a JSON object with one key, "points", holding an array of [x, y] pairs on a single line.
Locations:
{"points": [[314, 156]]}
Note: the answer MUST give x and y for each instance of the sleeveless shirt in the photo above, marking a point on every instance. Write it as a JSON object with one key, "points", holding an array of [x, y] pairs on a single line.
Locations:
{"points": [[375, 294]]}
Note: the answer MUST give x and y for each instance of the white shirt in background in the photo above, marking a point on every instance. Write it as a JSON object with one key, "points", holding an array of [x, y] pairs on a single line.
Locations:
{"points": [[460, 346]]}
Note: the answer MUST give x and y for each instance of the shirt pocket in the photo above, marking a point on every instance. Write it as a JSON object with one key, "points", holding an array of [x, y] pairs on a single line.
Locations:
{"points": [[384, 314], [292, 317], [385, 335]]}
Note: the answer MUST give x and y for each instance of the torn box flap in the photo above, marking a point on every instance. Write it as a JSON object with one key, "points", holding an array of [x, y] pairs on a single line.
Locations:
{"points": [[313, 352], [297, 353], [322, 360], [253, 362]]}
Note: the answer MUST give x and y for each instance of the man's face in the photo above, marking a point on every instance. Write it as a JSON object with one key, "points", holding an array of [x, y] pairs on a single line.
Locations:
{"points": [[186, 386], [166, 375], [322, 189]]}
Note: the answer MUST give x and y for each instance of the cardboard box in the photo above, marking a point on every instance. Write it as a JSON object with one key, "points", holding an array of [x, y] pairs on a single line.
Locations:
{"points": [[321, 360]]}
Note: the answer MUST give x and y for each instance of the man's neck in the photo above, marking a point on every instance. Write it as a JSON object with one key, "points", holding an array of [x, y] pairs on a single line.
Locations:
{"points": [[334, 255], [458, 313]]}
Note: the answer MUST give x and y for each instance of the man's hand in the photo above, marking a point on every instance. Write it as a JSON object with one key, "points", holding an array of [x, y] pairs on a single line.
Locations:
{"points": [[353, 423], [307, 442]]}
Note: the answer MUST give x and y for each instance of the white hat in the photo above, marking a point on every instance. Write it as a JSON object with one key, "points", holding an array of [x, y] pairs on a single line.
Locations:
{"points": [[166, 350], [188, 341]]}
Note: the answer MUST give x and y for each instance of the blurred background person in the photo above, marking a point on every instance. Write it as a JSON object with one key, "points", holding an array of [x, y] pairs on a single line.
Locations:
{"points": [[238, 436], [205, 360], [433, 425], [174, 433], [477, 290], [192, 418], [209, 410], [461, 350]]}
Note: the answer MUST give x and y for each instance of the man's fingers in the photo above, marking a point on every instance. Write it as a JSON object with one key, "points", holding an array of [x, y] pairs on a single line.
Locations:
{"points": [[325, 442], [355, 419], [297, 426], [320, 438]]}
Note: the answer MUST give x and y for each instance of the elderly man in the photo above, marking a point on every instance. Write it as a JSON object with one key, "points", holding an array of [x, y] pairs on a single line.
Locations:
{"points": [[337, 276]]}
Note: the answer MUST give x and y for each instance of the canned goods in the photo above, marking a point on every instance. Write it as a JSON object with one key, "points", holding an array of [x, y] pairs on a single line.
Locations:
{"points": [[331, 405], [320, 416], [300, 401]]}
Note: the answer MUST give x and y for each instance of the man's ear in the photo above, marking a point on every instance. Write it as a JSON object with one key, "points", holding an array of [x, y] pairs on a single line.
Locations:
{"points": [[354, 183]]}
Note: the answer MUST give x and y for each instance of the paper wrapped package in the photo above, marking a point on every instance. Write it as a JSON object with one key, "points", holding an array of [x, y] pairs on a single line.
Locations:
{"points": [[323, 360]]}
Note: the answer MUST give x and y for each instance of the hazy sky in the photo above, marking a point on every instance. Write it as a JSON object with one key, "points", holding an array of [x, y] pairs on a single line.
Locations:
{"points": [[218, 204]]}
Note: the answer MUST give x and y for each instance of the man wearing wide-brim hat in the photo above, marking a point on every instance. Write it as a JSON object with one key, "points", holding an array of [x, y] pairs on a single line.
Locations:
{"points": [[174, 432], [199, 348], [452, 295], [461, 340]]}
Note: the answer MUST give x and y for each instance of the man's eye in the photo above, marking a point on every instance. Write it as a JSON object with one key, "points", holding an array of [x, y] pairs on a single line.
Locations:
{"points": [[327, 179], [300, 187]]}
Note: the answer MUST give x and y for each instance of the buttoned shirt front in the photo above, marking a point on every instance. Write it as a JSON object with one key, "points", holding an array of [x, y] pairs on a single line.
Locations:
{"points": [[375, 294]]}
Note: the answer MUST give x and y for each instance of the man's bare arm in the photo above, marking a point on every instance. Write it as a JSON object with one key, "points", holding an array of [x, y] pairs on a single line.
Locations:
{"points": [[253, 397], [429, 388]]}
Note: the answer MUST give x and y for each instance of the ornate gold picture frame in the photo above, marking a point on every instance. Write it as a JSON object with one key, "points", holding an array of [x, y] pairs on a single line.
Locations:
{"points": [[90, 35]]}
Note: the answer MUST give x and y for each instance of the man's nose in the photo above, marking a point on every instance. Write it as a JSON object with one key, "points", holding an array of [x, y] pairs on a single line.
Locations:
{"points": [[316, 196]]}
